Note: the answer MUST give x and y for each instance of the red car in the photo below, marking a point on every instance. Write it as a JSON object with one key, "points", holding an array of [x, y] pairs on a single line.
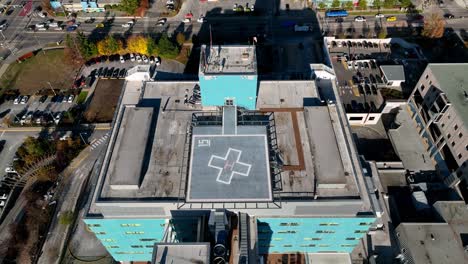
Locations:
{"points": [[189, 15]]}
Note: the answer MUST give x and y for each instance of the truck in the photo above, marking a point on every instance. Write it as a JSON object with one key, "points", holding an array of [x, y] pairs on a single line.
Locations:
{"points": [[302, 28]]}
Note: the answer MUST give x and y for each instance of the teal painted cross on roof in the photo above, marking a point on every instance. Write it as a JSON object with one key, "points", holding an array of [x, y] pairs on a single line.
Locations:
{"points": [[229, 165]]}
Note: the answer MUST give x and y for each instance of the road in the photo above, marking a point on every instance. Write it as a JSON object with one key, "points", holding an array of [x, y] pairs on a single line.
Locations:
{"points": [[73, 184]]}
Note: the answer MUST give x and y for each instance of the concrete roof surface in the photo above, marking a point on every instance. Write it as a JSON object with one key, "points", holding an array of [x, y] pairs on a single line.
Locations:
{"points": [[408, 144], [453, 80], [393, 72], [181, 253]]}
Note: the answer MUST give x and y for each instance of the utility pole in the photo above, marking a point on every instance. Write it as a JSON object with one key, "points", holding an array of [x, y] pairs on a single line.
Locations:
{"points": [[50, 85]]}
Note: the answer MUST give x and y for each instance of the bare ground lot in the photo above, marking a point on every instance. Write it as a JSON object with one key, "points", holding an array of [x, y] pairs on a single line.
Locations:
{"points": [[32, 75], [104, 101]]}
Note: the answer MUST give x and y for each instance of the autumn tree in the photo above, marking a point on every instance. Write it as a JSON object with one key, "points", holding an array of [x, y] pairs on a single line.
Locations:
{"points": [[137, 44], [109, 46], [434, 26]]}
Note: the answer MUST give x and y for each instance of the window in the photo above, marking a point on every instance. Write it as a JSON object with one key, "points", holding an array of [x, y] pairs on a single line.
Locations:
{"points": [[427, 76], [134, 232], [442, 125], [287, 232], [453, 143], [355, 118], [455, 127], [308, 245], [348, 245], [108, 240], [149, 246], [148, 239], [94, 225], [289, 224], [130, 225], [449, 136], [229, 102], [112, 246], [287, 246], [422, 87], [351, 238], [466, 147], [364, 224], [100, 233], [460, 135], [360, 231], [324, 232], [460, 156], [136, 246], [430, 82], [371, 118], [312, 238], [129, 252], [329, 224]]}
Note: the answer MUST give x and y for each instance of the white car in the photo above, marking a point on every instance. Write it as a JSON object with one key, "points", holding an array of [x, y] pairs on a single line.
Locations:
{"points": [[201, 19], [57, 118], [128, 24], [40, 14], [122, 60], [53, 24], [186, 20], [158, 61], [151, 59], [169, 2], [10, 169], [132, 57], [138, 58], [24, 100], [144, 58], [40, 25], [17, 100], [379, 15], [65, 99], [360, 19], [70, 99]]}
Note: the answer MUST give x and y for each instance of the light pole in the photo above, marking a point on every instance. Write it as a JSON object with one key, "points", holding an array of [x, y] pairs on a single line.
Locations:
{"points": [[50, 85]]}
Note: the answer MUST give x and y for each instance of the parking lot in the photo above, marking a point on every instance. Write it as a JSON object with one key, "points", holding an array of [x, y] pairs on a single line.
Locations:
{"points": [[357, 66], [42, 110]]}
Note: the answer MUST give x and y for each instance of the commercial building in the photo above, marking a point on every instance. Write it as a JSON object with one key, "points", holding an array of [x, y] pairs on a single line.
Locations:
{"points": [[252, 168], [438, 107], [444, 240], [88, 6]]}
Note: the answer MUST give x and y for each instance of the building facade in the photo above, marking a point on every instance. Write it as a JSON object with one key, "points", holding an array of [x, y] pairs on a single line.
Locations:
{"points": [[439, 108]]}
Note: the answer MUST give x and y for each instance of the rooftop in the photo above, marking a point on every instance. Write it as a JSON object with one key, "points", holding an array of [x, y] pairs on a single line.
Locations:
{"points": [[453, 82], [408, 145], [148, 158], [181, 253], [431, 243], [393, 72], [231, 59]]}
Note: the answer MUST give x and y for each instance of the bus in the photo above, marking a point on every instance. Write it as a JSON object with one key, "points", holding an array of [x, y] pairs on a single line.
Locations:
{"points": [[336, 13]]}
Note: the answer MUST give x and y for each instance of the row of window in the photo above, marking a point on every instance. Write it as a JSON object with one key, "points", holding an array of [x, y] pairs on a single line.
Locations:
{"points": [[307, 245], [317, 232], [321, 224], [122, 225], [305, 238]]}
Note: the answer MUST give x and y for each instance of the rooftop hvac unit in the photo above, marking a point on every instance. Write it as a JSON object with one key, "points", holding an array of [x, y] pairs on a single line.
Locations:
{"points": [[245, 56]]}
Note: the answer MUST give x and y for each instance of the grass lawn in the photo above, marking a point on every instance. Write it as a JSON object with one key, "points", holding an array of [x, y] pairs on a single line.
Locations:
{"points": [[82, 97], [33, 74], [104, 101]]}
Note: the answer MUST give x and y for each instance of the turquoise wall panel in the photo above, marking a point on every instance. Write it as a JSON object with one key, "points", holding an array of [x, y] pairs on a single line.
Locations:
{"points": [[128, 239], [216, 88], [283, 235]]}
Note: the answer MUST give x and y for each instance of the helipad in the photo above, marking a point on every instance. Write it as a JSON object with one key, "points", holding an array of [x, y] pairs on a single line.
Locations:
{"points": [[229, 167]]}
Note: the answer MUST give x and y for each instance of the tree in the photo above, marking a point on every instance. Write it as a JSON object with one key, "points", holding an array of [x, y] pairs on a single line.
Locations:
{"points": [[389, 3], [335, 3], [109, 46], [349, 4], [152, 48], [406, 3], [322, 5], [129, 6], [382, 33], [363, 4], [86, 48], [434, 26], [166, 48], [180, 38], [377, 4], [137, 44]]}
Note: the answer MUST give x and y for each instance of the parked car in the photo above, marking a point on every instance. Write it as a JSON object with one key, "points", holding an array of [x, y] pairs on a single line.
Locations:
{"points": [[64, 99], [138, 58], [144, 58], [157, 60], [10, 169], [201, 19], [70, 99], [57, 118], [115, 74], [161, 22], [3, 25], [391, 18], [99, 25], [379, 15], [110, 72], [122, 73], [43, 99], [186, 20], [24, 100], [90, 20], [132, 57], [17, 100]]}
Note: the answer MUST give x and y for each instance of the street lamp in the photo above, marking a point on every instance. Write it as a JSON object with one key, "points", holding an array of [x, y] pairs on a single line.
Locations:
{"points": [[50, 85]]}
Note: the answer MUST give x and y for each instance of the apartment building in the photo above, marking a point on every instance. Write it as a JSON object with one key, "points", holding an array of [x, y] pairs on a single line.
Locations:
{"points": [[439, 107]]}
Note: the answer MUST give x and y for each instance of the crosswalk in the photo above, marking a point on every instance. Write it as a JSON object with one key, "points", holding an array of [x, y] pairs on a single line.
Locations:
{"points": [[99, 141]]}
